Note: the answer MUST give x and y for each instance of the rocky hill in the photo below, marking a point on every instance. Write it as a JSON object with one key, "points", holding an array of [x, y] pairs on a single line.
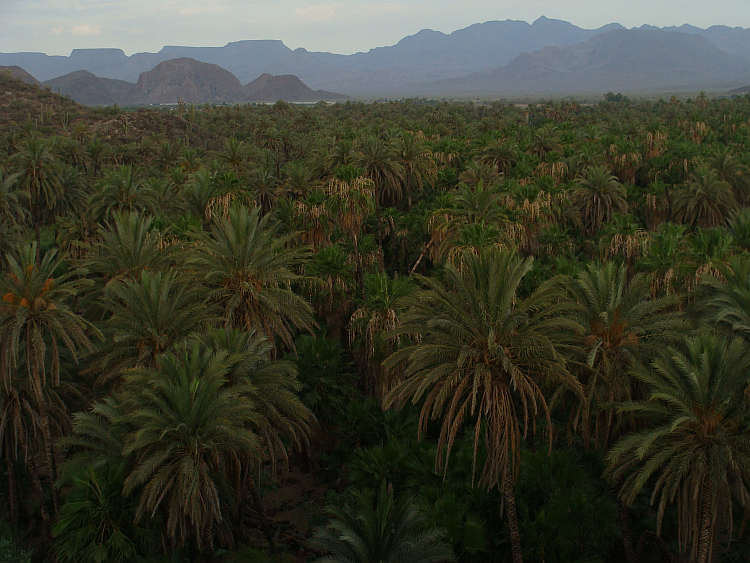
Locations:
{"points": [[268, 88], [187, 80], [21, 74], [91, 90]]}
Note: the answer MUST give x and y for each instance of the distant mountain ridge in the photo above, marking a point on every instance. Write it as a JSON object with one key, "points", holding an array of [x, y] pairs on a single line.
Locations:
{"points": [[423, 63], [184, 79], [427, 56], [619, 60]]}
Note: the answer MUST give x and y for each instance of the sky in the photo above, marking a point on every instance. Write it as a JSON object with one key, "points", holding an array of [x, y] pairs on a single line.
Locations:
{"points": [[56, 27]]}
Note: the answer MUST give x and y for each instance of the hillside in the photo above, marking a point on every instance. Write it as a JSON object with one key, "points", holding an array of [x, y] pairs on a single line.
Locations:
{"points": [[268, 88], [21, 74], [187, 80], [88, 89], [619, 60]]}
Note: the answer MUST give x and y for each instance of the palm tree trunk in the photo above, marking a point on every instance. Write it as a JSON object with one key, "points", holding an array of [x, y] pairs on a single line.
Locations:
{"points": [[49, 451], [208, 540], [264, 524], [12, 484], [509, 499], [626, 531], [36, 484], [704, 531], [381, 262]]}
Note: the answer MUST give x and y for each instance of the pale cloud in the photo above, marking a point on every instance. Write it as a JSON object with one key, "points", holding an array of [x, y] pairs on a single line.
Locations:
{"points": [[83, 30], [57, 30], [381, 9], [319, 13], [204, 9]]}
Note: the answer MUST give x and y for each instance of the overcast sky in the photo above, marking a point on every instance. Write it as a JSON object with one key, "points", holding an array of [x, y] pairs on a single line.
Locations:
{"points": [[347, 26]]}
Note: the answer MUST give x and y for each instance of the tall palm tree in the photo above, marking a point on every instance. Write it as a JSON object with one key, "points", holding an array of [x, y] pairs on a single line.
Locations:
{"points": [[380, 529], [705, 201], [121, 190], [249, 271], [190, 431], [36, 319], [38, 175], [371, 329], [484, 356], [417, 162], [479, 207], [622, 326], [380, 163], [725, 303], [694, 450], [128, 246], [149, 315], [598, 196]]}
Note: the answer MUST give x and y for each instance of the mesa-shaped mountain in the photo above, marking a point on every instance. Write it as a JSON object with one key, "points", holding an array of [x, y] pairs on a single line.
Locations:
{"points": [[268, 88], [88, 89], [18, 72], [619, 60]]}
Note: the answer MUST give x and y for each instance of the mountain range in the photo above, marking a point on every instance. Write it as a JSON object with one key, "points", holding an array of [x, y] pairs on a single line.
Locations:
{"points": [[489, 59], [184, 79]]}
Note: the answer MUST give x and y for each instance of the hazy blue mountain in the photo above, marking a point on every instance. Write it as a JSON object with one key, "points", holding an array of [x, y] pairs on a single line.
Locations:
{"points": [[268, 88], [426, 57], [86, 88], [620, 61]]}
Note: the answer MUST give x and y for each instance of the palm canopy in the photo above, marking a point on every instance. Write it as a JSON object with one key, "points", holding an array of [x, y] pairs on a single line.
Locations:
{"points": [[484, 354], [598, 196], [726, 303], [272, 386], [35, 311], [705, 201], [128, 246], [190, 428], [695, 450], [382, 529], [150, 315], [249, 271], [621, 326]]}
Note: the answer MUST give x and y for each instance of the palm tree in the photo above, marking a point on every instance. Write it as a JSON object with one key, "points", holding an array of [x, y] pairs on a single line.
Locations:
{"points": [[380, 164], [484, 356], [149, 315], [281, 420], [97, 520], [38, 175], [479, 207], [417, 162], [249, 271], [705, 201], [129, 246], [598, 196], [622, 327], [371, 329], [121, 190], [191, 429], [380, 529], [694, 449], [36, 319], [725, 303]]}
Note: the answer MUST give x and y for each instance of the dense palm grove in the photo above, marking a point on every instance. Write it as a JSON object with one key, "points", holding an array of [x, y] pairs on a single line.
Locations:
{"points": [[499, 332]]}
